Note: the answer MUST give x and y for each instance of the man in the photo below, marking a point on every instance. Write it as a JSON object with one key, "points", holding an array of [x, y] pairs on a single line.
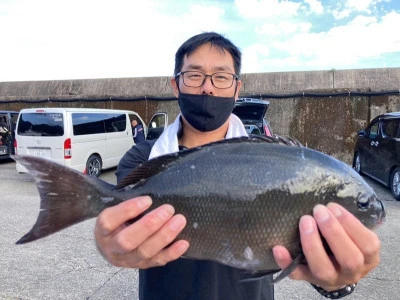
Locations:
{"points": [[206, 83], [3, 130], [3, 125], [137, 131]]}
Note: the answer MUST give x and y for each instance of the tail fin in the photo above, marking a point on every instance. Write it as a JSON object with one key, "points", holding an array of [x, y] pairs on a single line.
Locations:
{"points": [[67, 196]]}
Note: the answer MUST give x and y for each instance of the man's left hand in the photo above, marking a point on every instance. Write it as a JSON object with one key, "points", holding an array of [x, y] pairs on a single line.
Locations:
{"points": [[355, 248]]}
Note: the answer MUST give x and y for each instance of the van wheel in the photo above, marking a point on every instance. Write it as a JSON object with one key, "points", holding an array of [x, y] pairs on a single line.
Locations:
{"points": [[395, 183], [93, 165]]}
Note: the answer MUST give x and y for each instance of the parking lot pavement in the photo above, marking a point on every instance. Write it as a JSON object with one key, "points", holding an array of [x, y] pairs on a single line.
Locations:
{"points": [[67, 265]]}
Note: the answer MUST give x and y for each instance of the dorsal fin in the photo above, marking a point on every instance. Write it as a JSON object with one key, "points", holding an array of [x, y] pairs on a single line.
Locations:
{"points": [[158, 164], [148, 169], [278, 139]]}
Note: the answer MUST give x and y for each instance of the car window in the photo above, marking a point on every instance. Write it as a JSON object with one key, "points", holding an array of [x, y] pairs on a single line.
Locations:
{"points": [[247, 114], [373, 130], [158, 121], [390, 128]]}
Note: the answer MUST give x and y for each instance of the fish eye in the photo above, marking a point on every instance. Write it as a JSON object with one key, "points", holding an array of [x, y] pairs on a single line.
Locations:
{"points": [[363, 205]]}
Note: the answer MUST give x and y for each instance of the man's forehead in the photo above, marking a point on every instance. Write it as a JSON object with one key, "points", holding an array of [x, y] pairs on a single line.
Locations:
{"points": [[209, 56], [206, 49]]}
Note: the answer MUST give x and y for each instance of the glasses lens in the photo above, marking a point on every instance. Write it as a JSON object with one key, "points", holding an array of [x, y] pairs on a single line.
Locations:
{"points": [[193, 79], [222, 80]]}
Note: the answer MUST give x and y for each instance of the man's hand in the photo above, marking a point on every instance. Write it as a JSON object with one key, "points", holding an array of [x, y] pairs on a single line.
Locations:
{"points": [[142, 244], [355, 248]]}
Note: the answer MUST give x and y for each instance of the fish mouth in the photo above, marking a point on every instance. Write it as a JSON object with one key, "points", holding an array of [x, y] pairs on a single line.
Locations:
{"points": [[381, 208], [376, 212]]}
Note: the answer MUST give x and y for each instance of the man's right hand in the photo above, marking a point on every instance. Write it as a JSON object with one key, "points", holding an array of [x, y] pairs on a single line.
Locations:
{"points": [[142, 244]]}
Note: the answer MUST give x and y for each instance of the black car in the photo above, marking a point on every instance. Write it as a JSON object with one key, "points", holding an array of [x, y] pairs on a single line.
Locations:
{"points": [[8, 119], [377, 151], [252, 113]]}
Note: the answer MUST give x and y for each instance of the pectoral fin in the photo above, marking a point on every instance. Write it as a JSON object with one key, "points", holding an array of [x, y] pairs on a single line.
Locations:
{"points": [[289, 269]]}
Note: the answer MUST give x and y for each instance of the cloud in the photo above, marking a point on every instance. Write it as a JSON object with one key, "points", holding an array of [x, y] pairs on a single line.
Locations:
{"points": [[315, 6], [349, 7], [341, 14], [253, 58], [97, 38], [346, 46], [262, 9], [362, 5], [47, 39], [283, 28]]}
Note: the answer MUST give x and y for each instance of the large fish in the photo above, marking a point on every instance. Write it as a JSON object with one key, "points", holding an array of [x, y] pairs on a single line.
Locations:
{"points": [[241, 197]]}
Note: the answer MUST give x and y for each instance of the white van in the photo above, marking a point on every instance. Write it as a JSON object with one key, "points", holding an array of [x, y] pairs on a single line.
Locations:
{"points": [[85, 139]]}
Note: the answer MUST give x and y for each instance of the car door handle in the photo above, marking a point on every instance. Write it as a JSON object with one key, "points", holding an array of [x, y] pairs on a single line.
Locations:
{"points": [[373, 143]]}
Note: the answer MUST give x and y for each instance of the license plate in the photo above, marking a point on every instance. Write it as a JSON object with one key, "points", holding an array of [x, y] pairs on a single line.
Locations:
{"points": [[40, 153]]}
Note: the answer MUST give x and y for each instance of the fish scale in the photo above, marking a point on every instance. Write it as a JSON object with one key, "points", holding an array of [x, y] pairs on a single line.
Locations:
{"points": [[241, 197]]}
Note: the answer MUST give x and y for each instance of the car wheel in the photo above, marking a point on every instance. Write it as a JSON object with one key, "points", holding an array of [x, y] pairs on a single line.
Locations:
{"points": [[395, 183], [93, 165], [357, 163]]}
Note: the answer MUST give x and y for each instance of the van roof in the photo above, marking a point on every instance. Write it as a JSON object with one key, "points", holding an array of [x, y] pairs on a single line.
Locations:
{"points": [[395, 114], [72, 109]]}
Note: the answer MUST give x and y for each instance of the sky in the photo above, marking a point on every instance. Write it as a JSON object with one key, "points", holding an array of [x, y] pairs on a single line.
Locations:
{"points": [[88, 39]]}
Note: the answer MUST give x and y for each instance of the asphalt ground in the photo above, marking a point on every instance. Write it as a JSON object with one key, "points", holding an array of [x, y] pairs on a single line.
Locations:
{"points": [[66, 265]]}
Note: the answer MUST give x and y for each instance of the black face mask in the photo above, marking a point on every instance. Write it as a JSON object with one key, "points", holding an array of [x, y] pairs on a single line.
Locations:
{"points": [[205, 112]]}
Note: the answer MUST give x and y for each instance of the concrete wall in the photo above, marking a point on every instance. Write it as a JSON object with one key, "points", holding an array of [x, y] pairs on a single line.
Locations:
{"points": [[325, 123]]}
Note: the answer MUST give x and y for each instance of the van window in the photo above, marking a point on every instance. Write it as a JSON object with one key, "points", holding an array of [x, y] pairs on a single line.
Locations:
{"points": [[92, 123], [115, 122], [41, 124]]}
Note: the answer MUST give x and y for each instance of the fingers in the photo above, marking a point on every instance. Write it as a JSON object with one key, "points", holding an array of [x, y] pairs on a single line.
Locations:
{"points": [[365, 239], [283, 259], [135, 234], [144, 243], [358, 247], [352, 258], [162, 237], [355, 248], [111, 218], [173, 252]]}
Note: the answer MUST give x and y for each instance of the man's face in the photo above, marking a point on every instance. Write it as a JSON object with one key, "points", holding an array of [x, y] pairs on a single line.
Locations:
{"points": [[209, 60]]}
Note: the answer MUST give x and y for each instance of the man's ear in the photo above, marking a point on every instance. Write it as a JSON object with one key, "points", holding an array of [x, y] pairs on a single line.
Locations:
{"points": [[174, 86], [238, 88]]}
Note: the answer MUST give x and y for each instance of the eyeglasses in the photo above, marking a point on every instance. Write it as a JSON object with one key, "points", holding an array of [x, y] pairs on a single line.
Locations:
{"points": [[220, 80]]}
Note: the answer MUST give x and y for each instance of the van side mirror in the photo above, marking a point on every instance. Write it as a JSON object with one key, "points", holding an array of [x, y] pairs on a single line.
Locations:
{"points": [[361, 133]]}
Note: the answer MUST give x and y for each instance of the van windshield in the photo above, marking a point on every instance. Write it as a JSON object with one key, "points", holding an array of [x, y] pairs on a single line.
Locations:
{"points": [[41, 124]]}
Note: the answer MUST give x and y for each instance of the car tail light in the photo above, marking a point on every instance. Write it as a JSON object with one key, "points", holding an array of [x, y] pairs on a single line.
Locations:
{"points": [[267, 131], [15, 147], [67, 148]]}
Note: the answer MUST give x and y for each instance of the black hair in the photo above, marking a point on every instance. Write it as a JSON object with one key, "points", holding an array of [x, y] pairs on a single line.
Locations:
{"points": [[216, 40]]}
